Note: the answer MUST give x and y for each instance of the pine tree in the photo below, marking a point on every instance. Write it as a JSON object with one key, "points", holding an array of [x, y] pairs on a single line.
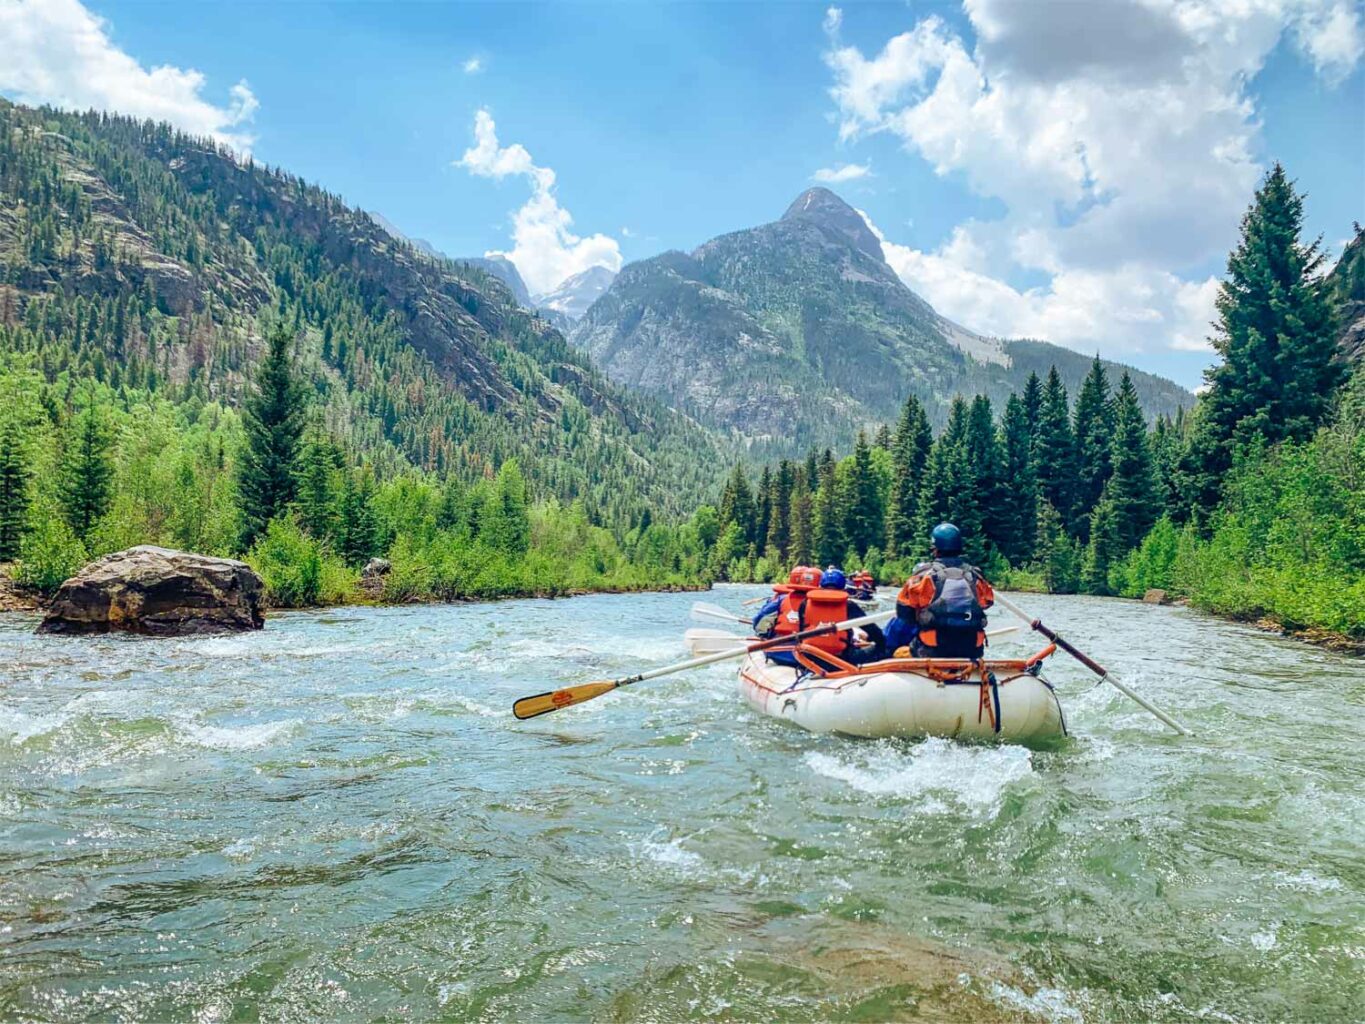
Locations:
{"points": [[1017, 523], [1054, 451], [1276, 333], [779, 518], [359, 531], [1059, 557], [829, 542], [984, 506], [863, 524], [909, 453], [1103, 549], [1094, 433], [14, 490], [86, 482], [317, 498], [1131, 489], [737, 505], [763, 509], [273, 418], [1033, 403], [802, 515]]}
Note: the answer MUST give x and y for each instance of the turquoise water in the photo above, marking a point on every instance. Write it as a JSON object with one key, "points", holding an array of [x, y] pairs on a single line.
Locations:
{"points": [[338, 818]]}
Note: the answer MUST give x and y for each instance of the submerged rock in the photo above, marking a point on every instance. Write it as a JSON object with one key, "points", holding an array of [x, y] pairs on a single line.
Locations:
{"points": [[158, 592]]}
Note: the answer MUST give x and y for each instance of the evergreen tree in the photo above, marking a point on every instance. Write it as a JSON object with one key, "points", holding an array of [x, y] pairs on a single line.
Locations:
{"points": [[1276, 333], [14, 490], [1094, 434], [1033, 403], [317, 498], [909, 453], [983, 507], [273, 418], [87, 473], [737, 505], [1131, 489], [1054, 452], [802, 516], [1103, 549], [779, 518], [1059, 556], [829, 542], [763, 509], [1017, 522], [863, 525], [359, 531]]}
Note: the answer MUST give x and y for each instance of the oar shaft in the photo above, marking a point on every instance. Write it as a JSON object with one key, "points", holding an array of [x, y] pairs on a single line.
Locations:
{"points": [[1039, 626]]}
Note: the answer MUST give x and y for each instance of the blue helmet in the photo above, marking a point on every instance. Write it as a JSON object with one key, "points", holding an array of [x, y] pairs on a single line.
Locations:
{"points": [[833, 579], [946, 539]]}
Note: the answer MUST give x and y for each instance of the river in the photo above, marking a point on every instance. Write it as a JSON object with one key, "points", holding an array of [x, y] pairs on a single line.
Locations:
{"points": [[337, 817]]}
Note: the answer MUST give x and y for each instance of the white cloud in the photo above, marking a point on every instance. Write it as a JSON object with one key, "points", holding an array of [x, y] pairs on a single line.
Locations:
{"points": [[1120, 137], [473, 65], [57, 52], [844, 172], [1130, 308], [546, 252]]}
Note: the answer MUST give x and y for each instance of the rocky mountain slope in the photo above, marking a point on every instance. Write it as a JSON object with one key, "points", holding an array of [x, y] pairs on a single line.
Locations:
{"points": [[141, 256], [798, 332]]}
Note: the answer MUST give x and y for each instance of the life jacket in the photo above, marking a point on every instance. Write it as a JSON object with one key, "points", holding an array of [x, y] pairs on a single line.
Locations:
{"points": [[823, 607], [954, 619], [789, 613]]}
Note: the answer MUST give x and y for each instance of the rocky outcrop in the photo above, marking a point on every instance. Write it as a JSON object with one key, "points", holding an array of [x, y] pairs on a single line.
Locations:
{"points": [[158, 592], [372, 577]]}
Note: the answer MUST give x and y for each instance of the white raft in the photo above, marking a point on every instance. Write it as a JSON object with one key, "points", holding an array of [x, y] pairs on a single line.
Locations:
{"points": [[906, 703]]}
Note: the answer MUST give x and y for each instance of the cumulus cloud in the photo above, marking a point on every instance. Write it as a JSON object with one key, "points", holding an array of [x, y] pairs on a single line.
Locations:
{"points": [[473, 65], [57, 52], [1120, 137], [844, 172], [546, 251], [1127, 309]]}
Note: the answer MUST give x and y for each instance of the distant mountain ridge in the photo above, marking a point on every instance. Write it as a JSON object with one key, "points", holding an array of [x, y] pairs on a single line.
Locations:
{"points": [[798, 332], [575, 294], [131, 252]]}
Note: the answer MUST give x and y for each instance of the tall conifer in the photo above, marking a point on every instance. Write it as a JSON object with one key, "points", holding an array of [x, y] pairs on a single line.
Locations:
{"points": [[273, 418]]}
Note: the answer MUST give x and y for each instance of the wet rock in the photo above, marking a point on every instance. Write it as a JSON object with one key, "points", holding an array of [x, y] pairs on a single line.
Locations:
{"points": [[158, 592], [1155, 596]]}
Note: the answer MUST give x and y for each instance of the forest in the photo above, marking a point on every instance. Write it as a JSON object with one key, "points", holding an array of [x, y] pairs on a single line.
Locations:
{"points": [[1252, 505]]}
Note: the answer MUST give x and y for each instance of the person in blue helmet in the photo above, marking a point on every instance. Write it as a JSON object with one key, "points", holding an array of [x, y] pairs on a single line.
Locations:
{"points": [[835, 580], [941, 610]]}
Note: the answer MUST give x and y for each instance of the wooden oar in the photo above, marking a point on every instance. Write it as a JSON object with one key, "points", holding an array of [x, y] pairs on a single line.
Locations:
{"points": [[542, 703], [703, 610], [1089, 662]]}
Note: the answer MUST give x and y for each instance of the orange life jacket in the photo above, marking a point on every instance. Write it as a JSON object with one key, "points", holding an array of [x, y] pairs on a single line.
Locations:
{"points": [[823, 607], [789, 613]]}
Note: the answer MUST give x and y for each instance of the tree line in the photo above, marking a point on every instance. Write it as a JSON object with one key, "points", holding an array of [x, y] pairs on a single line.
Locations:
{"points": [[1086, 496]]}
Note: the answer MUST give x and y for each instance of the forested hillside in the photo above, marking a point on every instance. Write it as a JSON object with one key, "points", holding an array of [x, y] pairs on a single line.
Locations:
{"points": [[139, 257], [1252, 505], [799, 333]]}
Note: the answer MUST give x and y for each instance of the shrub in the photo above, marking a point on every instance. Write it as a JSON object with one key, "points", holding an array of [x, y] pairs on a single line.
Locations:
{"points": [[299, 572], [50, 554]]}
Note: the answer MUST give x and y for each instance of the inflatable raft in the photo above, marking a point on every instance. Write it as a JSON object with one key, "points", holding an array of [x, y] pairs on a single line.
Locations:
{"points": [[997, 699]]}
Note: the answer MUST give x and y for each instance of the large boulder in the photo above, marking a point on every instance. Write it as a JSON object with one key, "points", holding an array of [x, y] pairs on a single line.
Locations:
{"points": [[158, 592]]}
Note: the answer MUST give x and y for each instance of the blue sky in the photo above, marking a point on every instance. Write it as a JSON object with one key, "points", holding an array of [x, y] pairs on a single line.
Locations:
{"points": [[660, 126]]}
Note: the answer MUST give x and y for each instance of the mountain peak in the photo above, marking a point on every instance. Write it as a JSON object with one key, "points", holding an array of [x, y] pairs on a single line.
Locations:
{"points": [[823, 207]]}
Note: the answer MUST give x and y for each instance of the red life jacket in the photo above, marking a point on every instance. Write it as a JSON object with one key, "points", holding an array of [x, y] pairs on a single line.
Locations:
{"points": [[823, 607]]}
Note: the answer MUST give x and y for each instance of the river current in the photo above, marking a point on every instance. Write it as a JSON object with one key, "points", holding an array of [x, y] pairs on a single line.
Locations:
{"points": [[338, 818]]}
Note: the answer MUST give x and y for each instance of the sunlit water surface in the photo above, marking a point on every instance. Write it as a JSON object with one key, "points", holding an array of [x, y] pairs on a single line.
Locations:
{"points": [[337, 817]]}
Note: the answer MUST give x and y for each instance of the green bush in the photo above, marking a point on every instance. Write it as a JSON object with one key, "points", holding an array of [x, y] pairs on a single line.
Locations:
{"points": [[50, 554], [298, 571]]}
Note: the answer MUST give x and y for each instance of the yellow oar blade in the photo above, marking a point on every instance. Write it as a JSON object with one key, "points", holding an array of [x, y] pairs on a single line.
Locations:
{"points": [[541, 703]]}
